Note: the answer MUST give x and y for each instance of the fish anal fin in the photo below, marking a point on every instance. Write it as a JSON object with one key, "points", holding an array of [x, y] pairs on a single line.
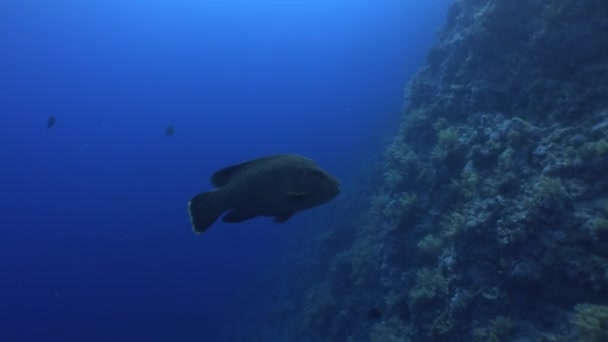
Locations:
{"points": [[283, 218], [234, 216]]}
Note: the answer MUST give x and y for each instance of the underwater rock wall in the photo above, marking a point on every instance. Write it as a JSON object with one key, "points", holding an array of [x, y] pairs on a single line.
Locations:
{"points": [[489, 218]]}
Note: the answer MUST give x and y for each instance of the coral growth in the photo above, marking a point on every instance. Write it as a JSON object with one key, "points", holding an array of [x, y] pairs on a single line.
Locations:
{"points": [[591, 322]]}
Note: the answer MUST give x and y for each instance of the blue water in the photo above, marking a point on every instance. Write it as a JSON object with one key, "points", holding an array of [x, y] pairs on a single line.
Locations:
{"points": [[95, 239]]}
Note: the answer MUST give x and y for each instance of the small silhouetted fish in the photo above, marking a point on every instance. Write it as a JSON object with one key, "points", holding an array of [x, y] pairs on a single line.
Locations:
{"points": [[120, 197], [277, 186], [51, 121], [170, 130], [374, 313]]}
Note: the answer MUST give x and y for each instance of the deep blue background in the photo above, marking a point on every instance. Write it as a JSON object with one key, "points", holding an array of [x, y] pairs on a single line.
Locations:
{"points": [[95, 241]]}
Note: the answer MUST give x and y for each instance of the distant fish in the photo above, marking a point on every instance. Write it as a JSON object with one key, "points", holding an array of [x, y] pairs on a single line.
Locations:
{"points": [[277, 186], [51, 121], [170, 130], [120, 197]]}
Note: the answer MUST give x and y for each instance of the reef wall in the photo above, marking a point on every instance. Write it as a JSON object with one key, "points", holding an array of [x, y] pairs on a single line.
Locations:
{"points": [[488, 218]]}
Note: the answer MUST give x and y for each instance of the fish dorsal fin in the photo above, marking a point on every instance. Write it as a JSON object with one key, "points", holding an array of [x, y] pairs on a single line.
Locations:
{"points": [[225, 175]]}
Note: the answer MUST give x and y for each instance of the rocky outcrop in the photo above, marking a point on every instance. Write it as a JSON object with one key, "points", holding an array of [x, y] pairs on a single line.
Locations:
{"points": [[490, 218]]}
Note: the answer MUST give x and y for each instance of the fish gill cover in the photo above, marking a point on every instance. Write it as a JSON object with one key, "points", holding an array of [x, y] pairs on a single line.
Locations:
{"points": [[115, 113]]}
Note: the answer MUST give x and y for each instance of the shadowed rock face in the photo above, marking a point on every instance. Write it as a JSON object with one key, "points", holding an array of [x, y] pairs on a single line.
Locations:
{"points": [[485, 60]]}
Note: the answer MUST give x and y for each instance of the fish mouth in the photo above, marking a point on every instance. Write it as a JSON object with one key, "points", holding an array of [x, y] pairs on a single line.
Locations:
{"points": [[334, 185]]}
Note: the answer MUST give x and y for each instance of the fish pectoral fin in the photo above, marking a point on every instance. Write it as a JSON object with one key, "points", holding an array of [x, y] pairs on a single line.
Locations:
{"points": [[282, 218], [234, 216], [297, 194]]}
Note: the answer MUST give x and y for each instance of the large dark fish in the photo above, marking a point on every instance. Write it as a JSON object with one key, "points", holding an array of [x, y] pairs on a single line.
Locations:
{"points": [[277, 186], [51, 121]]}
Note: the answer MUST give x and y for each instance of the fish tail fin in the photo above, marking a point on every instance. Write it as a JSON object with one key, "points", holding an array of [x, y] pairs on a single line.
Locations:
{"points": [[204, 210]]}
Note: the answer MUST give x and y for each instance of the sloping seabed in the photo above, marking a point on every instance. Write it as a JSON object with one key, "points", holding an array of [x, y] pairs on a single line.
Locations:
{"points": [[488, 218]]}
